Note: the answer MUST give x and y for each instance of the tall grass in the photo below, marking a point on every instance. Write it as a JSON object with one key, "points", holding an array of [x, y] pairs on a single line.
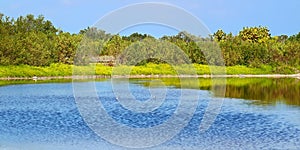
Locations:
{"points": [[30, 71], [147, 69]]}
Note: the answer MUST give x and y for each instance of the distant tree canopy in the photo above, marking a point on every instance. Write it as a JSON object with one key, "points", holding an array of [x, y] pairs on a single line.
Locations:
{"points": [[254, 46], [35, 41], [255, 34]]}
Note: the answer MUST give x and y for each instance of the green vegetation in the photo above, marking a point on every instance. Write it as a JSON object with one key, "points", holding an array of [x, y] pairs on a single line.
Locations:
{"points": [[99, 69], [30, 71], [255, 47], [35, 42], [32, 46]]}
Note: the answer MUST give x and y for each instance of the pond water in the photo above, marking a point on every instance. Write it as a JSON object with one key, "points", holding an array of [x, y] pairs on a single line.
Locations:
{"points": [[256, 113]]}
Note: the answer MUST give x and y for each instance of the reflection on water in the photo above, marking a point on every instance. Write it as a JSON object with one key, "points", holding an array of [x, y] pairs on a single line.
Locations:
{"points": [[268, 91], [45, 116], [262, 90], [15, 82]]}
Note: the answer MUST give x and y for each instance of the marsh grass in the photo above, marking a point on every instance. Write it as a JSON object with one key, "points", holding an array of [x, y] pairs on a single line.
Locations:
{"points": [[147, 69]]}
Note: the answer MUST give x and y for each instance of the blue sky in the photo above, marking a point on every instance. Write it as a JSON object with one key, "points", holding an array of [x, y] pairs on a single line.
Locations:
{"points": [[281, 17]]}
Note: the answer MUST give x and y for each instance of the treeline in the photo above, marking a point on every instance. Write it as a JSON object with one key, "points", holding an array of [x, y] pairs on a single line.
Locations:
{"points": [[254, 46], [35, 41]]}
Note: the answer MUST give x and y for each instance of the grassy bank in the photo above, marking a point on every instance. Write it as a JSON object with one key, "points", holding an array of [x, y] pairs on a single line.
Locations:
{"points": [[148, 69]]}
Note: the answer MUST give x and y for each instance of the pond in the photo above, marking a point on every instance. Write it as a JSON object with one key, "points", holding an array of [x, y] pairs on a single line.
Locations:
{"points": [[255, 113]]}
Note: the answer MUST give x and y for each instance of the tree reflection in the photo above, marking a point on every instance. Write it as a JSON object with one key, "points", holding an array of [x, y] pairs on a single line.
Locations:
{"points": [[264, 91]]}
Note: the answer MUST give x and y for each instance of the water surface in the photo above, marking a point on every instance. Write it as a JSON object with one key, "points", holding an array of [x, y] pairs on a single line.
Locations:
{"points": [[257, 113]]}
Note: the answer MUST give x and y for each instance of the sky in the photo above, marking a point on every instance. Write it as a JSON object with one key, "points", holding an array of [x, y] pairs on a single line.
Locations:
{"points": [[281, 17]]}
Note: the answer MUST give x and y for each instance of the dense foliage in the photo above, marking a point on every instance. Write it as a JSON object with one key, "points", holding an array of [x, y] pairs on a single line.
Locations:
{"points": [[35, 41], [255, 47]]}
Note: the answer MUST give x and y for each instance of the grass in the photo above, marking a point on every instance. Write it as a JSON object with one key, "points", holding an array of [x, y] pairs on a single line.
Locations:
{"points": [[30, 71], [148, 69]]}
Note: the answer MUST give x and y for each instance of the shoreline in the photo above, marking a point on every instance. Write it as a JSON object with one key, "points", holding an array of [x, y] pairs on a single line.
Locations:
{"points": [[155, 76]]}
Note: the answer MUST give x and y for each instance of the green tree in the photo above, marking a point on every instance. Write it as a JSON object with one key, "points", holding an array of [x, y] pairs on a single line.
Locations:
{"points": [[255, 34], [65, 47], [219, 35], [115, 46]]}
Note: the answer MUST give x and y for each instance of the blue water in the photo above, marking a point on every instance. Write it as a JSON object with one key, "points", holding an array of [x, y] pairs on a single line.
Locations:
{"points": [[45, 116]]}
